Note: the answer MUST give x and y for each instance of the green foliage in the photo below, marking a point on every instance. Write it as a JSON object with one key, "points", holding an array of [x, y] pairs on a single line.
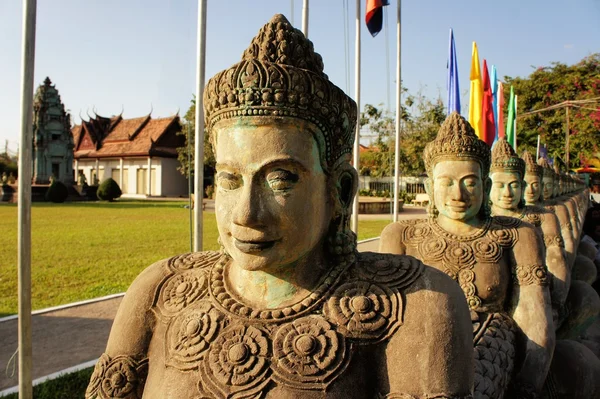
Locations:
{"points": [[8, 165], [72, 385], [109, 190], [419, 127], [547, 86], [189, 130], [57, 192]]}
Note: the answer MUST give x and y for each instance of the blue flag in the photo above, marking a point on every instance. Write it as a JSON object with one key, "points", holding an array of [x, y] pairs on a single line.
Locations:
{"points": [[452, 82]]}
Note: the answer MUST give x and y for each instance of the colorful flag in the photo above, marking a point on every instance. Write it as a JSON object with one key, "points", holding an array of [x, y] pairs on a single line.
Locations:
{"points": [[374, 15], [487, 109], [543, 151], [476, 97], [510, 123], [494, 83], [452, 82], [500, 110]]}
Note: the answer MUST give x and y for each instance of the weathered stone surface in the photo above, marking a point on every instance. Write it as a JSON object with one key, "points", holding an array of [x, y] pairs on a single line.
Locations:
{"points": [[288, 308], [498, 262]]}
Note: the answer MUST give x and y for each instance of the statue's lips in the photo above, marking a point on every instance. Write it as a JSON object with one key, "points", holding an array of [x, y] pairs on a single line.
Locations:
{"points": [[458, 207], [253, 246]]}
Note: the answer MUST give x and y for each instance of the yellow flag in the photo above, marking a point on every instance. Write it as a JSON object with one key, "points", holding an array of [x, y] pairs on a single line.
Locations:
{"points": [[476, 96]]}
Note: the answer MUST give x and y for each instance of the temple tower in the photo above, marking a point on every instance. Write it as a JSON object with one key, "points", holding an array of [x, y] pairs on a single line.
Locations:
{"points": [[52, 139]]}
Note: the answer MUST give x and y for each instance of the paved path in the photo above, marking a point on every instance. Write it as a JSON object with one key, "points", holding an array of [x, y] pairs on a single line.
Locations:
{"points": [[75, 335]]}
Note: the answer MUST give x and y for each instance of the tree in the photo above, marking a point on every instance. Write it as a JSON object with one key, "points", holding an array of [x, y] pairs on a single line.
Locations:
{"points": [[189, 130], [547, 86]]}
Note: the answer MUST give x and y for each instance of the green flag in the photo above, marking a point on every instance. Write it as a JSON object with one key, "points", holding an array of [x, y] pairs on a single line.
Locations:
{"points": [[510, 123]]}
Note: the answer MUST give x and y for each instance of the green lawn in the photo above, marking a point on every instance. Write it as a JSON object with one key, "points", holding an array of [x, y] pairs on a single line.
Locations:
{"points": [[86, 250]]}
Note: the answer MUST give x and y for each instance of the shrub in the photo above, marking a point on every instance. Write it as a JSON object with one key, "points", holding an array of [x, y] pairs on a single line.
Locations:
{"points": [[109, 190], [57, 192], [209, 190]]}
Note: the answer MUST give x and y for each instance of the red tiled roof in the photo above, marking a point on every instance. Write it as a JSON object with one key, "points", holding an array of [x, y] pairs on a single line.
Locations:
{"points": [[117, 137]]}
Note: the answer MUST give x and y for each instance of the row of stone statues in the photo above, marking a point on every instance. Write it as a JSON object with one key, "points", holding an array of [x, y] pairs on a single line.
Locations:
{"points": [[462, 304]]}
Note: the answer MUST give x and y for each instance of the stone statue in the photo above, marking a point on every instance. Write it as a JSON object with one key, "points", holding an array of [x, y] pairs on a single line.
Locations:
{"points": [[81, 179], [497, 261], [549, 183], [288, 308], [507, 173]]}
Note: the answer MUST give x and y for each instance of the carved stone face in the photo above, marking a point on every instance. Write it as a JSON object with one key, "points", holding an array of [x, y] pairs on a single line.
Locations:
{"points": [[548, 187], [458, 189], [272, 203], [506, 190], [532, 188]]}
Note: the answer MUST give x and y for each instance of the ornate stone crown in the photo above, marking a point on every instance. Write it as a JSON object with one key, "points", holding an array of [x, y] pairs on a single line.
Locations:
{"points": [[546, 168], [530, 165], [281, 75], [456, 141], [505, 159]]}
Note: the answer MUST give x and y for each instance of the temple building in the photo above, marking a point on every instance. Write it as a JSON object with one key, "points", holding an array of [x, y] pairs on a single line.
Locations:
{"points": [[140, 154], [52, 140]]}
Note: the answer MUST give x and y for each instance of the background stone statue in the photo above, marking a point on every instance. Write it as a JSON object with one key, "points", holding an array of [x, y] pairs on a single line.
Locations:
{"points": [[497, 261], [288, 308], [507, 173]]}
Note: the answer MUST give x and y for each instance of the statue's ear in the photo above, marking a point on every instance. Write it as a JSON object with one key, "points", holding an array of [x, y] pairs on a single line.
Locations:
{"points": [[347, 185], [429, 186], [487, 186]]}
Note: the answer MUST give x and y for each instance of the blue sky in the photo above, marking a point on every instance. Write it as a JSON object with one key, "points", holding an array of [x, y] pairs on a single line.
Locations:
{"points": [[137, 54]]}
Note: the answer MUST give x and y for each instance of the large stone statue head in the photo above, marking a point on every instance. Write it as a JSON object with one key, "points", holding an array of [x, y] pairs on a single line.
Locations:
{"points": [[533, 181], [548, 187], [282, 135], [559, 182], [457, 165], [507, 172]]}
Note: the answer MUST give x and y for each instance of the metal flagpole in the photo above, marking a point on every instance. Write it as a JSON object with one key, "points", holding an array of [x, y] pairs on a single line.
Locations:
{"points": [[24, 200], [398, 110], [567, 139], [305, 18], [357, 99], [199, 134], [537, 153]]}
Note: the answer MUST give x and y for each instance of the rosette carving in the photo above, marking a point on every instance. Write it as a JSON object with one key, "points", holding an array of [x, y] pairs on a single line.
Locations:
{"points": [[237, 361], [180, 290], [189, 334], [531, 274], [459, 254], [466, 278], [486, 250], [433, 249], [413, 234], [534, 218], [364, 311], [504, 236], [393, 271], [193, 260], [119, 377], [308, 353]]}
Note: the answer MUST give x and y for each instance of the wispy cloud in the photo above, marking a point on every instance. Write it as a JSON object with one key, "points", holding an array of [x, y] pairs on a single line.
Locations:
{"points": [[568, 46]]}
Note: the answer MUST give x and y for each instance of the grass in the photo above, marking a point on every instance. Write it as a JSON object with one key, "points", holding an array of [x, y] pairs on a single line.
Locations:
{"points": [[87, 250], [71, 385]]}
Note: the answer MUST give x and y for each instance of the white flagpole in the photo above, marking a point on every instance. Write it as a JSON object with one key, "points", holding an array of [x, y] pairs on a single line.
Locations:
{"points": [[537, 153], [398, 110], [24, 200], [305, 18], [199, 134], [354, 224]]}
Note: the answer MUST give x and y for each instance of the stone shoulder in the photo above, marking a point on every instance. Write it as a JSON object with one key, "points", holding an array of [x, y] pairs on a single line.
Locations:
{"points": [[390, 271]]}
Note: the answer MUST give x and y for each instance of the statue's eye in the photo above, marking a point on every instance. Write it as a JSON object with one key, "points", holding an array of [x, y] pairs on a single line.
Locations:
{"points": [[282, 180], [228, 181], [515, 185], [444, 182], [498, 184], [471, 183]]}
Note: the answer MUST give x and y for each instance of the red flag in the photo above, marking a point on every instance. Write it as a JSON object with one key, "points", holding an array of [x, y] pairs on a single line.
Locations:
{"points": [[487, 109], [374, 15]]}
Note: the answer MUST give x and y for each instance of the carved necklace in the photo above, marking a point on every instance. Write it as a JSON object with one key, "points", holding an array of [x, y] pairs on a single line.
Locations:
{"points": [[230, 304], [440, 231]]}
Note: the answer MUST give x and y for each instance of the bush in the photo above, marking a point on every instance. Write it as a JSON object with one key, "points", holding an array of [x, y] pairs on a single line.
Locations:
{"points": [[71, 385], [57, 192], [109, 190]]}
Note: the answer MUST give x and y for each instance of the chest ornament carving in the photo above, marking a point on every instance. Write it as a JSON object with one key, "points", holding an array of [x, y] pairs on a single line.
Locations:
{"points": [[237, 351]]}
